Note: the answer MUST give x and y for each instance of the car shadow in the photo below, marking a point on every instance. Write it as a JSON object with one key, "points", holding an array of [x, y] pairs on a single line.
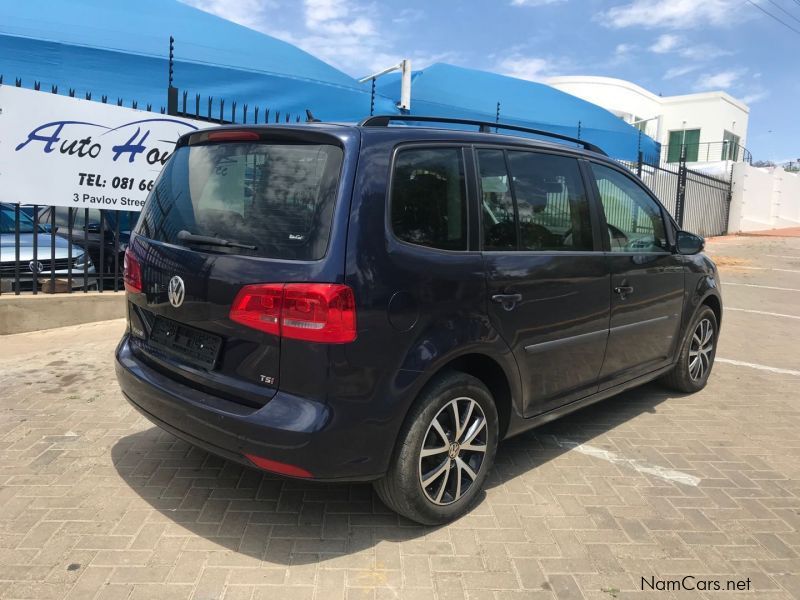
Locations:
{"points": [[291, 522]]}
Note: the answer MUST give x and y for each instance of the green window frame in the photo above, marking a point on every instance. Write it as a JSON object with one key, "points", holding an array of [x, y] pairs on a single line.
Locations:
{"points": [[683, 137]]}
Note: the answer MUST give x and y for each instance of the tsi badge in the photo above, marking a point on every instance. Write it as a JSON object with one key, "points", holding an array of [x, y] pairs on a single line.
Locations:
{"points": [[176, 291]]}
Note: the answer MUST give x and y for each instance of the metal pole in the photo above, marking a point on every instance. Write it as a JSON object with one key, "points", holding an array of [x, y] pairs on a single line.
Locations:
{"points": [[680, 195], [405, 85]]}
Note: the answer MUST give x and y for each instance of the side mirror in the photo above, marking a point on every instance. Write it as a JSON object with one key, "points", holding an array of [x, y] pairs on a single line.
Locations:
{"points": [[93, 228], [689, 243]]}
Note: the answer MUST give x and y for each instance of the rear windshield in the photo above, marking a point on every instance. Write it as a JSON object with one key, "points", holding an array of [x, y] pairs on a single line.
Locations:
{"points": [[268, 200]]}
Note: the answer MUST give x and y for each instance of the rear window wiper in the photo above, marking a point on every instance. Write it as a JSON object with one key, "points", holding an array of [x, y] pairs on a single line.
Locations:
{"points": [[187, 236]]}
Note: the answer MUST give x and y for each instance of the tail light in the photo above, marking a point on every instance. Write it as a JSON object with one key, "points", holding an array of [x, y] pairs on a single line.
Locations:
{"points": [[259, 307], [132, 272], [315, 312]]}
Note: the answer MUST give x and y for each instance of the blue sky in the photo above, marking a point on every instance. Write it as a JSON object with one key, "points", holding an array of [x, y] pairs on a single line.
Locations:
{"points": [[667, 46]]}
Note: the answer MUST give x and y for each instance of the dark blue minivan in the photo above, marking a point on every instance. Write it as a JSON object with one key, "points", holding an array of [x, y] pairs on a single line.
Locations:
{"points": [[385, 303]]}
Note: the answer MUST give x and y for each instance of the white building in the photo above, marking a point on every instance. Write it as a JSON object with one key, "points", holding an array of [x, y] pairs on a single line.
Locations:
{"points": [[711, 125]]}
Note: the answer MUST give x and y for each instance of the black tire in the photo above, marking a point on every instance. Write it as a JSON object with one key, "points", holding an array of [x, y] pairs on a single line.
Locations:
{"points": [[402, 488], [683, 378]]}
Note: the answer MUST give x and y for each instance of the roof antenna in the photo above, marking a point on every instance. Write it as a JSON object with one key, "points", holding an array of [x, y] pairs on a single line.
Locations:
{"points": [[310, 118]]}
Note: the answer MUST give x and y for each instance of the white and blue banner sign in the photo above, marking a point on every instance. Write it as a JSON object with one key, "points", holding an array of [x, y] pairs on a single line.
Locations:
{"points": [[61, 151]]}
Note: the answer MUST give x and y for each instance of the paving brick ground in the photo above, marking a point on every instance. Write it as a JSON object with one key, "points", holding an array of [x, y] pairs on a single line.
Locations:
{"points": [[97, 503]]}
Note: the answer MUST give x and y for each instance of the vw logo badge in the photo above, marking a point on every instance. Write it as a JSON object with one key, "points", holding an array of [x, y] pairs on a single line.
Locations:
{"points": [[176, 291], [36, 266]]}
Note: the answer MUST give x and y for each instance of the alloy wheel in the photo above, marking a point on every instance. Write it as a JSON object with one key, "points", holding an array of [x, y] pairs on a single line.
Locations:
{"points": [[453, 451], [701, 350]]}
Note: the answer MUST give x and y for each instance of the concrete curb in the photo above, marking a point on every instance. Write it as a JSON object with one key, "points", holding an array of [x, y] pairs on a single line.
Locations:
{"points": [[19, 314]]}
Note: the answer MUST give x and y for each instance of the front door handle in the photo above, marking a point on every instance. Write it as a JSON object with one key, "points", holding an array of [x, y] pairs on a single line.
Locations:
{"points": [[507, 300], [623, 291]]}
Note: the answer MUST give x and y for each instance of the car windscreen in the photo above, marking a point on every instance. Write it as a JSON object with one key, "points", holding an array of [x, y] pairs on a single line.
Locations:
{"points": [[8, 221], [272, 200]]}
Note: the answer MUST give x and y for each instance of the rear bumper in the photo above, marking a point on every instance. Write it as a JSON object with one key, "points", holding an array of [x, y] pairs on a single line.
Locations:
{"points": [[288, 429]]}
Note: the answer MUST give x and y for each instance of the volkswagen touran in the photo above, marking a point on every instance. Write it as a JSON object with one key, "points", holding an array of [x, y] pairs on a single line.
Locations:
{"points": [[386, 303]]}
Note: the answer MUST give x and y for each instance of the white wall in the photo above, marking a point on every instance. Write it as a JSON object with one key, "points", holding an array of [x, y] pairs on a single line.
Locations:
{"points": [[711, 112], [621, 97], [763, 199]]}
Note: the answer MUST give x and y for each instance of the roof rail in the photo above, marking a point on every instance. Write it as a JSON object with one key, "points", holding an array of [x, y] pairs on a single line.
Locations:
{"points": [[483, 127]]}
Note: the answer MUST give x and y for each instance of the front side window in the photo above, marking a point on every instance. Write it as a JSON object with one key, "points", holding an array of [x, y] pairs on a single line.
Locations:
{"points": [[429, 198], [533, 201], [635, 222]]}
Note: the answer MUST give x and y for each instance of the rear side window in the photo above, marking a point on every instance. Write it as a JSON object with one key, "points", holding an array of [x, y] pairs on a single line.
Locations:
{"points": [[533, 201], [272, 200], [429, 199]]}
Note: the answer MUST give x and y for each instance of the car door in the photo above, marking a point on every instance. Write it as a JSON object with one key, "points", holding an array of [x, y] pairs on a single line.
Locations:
{"points": [[547, 278], [647, 278]]}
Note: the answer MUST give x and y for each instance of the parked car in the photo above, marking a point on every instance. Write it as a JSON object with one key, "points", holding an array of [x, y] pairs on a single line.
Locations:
{"points": [[36, 265], [382, 303], [97, 232]]}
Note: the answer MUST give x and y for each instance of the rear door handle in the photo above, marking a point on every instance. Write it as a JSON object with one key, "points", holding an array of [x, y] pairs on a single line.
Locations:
{"points": [[623, 291], [507, 300]]}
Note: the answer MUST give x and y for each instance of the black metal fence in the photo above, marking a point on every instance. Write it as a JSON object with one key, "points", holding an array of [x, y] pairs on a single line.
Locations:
{"points": [[699, 202]]}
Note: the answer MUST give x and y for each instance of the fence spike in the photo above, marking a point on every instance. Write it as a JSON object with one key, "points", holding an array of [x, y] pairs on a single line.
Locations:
{"points": [[149, 108], [185, 96], [71, 92], [18, 82], [266, 115], [255, 115], [1, 79], [372, 99], [197, 105], [119, 101], [88, 95], [54, 89], [233, 111], [37, 85], [104, 99], [171, 59], [163, 110], [244, 114], [134, 104], [297, 119], [221, 110], [277, 116], [210, 99]]}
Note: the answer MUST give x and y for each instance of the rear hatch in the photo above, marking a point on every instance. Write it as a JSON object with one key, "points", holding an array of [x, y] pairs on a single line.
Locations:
{"points": [[231, 209]]}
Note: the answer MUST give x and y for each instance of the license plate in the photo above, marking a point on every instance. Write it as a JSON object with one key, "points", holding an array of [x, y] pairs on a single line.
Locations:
{"points": [[192, 345]]}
